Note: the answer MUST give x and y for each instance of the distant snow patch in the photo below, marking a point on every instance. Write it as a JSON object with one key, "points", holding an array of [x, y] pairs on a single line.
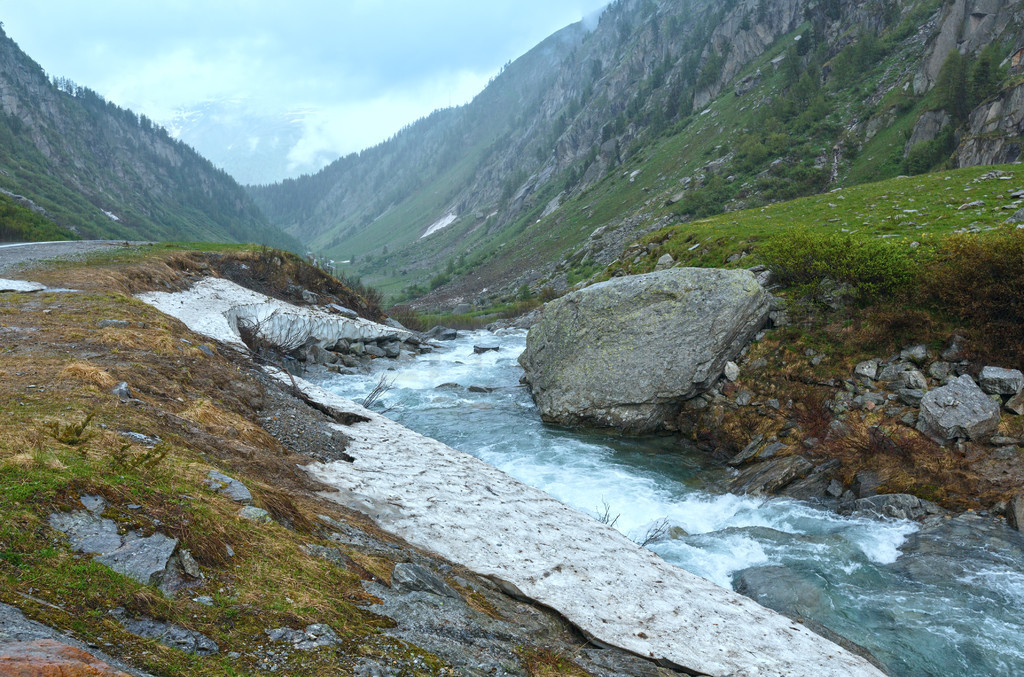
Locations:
{"points": [[111, 215], [443, 222]]}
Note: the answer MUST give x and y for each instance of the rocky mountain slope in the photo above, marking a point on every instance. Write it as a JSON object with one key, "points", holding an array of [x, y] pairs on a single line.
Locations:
{"points": [[661, 113], [98, 171]]}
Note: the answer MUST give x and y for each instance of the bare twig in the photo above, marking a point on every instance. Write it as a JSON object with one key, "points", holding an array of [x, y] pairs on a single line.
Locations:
{"points": [[382, 387], [605, 517], [656, 532]]}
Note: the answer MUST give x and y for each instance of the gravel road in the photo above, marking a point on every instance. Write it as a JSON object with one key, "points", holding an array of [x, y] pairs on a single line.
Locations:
{"points": [[15, 256]]}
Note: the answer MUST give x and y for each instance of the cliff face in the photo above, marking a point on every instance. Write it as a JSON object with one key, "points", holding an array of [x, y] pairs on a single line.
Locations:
{"points": [[995, 131], [104, 172]]}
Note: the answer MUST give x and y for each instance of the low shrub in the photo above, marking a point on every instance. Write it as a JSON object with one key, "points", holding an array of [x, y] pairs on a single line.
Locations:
{"points": [[872, 267], [980, 281]]}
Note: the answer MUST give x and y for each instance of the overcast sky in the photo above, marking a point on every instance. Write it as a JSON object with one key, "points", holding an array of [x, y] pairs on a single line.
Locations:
{"points": [[351, 72]]}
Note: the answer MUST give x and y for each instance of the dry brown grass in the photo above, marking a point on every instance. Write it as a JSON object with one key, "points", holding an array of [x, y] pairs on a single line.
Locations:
{"points": [[908, 462], [89, 373], [219, 421]]}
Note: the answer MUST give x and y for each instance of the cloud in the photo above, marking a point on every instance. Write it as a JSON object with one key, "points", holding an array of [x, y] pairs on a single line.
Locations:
{"points": [[359, 70], [337, 130]]}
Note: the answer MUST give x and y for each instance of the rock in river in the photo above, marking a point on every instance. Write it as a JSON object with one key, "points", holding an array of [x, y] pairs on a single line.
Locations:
{"points": [[627, 352]]}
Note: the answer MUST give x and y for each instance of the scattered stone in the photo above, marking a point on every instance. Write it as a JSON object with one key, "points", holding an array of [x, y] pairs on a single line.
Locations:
{"points": [[348, 312], [835, 489], [140, 438], [1002, 441], [866, 483], [772, 450], [86, 532], [1015, 512], [940, 370], [748, 452], [415, 578], [374, 350], [392, 349], [895, 371], [205, 600], [122, 391], [313, 637], [898, 506], [999, 381], [480, 350], [744, 398], [255, 514], [955, 351], [867, 369], [958, 410], [189, 564], [731, 371], [1016, 217], [916, 354], [442, 334], [229, 487], [142, 559], [368, 668], [915, 380], [113, 324], [666, 261], [168, 634], [206, 350], [971, 205], [768, 477], [910, 396], [1016, 404]]}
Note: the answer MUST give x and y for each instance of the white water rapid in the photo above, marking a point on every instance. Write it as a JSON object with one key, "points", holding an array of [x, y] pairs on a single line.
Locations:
{"points": [[942, 599]]}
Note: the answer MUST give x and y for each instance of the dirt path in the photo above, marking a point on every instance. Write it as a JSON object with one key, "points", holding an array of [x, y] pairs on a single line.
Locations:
{"points": [[16, 256]]}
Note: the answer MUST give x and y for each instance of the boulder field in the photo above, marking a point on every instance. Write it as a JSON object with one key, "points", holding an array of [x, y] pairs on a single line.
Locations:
{"points": [[627, 353]]}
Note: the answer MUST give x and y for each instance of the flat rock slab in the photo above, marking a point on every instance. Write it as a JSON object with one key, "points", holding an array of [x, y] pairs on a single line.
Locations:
{"points": [[33, 649], [605, 584], [229, 486], [169, 634], [142, 559], [20, 286], [49, 658], [86, 532]]}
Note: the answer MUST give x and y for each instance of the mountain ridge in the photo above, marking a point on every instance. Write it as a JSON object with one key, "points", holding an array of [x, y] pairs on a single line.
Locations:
{"points": [[705, 96], [101, 171]]}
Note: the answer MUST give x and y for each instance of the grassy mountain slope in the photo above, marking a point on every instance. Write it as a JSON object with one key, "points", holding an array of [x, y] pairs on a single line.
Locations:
{"points": [[663, 113], [100, 171]]}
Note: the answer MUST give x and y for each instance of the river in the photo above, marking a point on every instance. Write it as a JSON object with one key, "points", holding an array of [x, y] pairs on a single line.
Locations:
{"points": [[940, 599]]}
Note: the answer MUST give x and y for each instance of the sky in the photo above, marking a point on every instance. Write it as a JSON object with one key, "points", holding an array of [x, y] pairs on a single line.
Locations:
{"points": [[306, 80]]}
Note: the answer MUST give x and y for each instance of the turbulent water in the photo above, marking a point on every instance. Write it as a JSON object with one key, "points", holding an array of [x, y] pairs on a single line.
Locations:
{"points": [[943, 599]]}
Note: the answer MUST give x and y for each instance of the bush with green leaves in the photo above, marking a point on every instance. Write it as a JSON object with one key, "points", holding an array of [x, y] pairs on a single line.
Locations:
{"points": [[873, 267]]}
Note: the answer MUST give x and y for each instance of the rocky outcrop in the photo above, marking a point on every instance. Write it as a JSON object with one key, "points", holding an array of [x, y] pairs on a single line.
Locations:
{"points": [[965, 25], [628, 352], [927, 128], [995, 131]]}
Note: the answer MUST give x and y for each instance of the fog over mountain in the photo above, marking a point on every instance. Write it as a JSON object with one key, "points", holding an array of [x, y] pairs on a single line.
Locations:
{"points": [[275, 91]]}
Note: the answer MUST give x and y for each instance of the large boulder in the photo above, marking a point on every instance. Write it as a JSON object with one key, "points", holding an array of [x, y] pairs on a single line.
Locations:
{"points": [[960, 410], [628, 352]]}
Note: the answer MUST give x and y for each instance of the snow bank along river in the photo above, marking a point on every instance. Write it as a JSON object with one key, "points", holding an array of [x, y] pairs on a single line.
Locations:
{"points": [[943, 599]]}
